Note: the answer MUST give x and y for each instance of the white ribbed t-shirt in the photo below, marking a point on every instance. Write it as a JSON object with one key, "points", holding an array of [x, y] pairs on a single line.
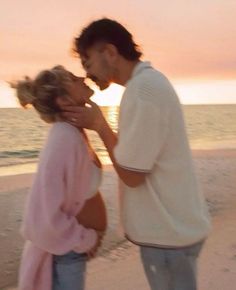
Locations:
{"points": [[168, 209]]}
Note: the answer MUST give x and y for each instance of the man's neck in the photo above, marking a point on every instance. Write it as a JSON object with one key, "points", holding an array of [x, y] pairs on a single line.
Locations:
{"points": [[125, 71]]}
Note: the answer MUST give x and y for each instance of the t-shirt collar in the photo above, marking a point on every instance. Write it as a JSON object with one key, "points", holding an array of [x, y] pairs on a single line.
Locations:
{"points": [[140, 66]]}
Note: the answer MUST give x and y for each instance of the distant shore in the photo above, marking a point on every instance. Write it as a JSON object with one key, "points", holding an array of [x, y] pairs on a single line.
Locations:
{"points": [[217, 172]]}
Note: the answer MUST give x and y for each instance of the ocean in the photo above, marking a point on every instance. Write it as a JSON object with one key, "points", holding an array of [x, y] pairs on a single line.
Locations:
{"points": [[22, 133]]}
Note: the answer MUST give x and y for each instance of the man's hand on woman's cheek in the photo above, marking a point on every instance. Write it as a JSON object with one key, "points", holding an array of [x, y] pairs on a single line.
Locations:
{"points": [[84, 117]]}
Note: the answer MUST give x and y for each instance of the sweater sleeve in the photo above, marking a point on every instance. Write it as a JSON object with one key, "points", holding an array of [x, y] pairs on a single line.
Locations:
{"points": [[46, 224]]}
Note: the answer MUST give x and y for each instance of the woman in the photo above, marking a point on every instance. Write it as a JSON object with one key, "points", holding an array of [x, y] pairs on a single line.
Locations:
{"points": [[65, 216]]}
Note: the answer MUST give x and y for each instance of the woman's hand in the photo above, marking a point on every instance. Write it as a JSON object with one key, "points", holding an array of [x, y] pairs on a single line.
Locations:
{"points": [[92, 253]]}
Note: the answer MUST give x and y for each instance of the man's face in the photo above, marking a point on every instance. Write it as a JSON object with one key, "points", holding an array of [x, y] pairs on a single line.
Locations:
{"points": [[97, 66]]}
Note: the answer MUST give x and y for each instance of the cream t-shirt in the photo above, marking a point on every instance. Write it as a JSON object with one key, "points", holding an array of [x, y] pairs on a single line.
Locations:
{"points": [[168, 209]]}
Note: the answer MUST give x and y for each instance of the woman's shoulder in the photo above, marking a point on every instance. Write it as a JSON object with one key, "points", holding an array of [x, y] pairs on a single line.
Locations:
{"points": [[65, 133], [64, 128]]}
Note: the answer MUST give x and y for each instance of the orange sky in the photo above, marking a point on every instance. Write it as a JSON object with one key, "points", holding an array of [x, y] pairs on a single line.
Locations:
{"points": [[187, 40]]}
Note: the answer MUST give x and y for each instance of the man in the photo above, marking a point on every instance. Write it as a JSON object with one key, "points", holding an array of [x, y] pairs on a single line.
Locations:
{"points": [[163, 209]]}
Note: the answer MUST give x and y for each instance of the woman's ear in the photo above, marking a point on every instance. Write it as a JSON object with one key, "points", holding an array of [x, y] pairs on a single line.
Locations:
{"points": [[63, 101]]}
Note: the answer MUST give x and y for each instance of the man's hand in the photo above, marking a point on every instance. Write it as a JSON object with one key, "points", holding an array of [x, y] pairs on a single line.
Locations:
{"points": [[84, 117], [92, 118]]}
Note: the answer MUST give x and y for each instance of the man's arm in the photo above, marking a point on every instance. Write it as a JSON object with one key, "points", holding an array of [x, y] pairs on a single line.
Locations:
{"points": [[109, 138], [92, 118]]}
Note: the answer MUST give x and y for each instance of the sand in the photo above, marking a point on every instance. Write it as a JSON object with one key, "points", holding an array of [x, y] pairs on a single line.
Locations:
{"points": [[117, 265]]}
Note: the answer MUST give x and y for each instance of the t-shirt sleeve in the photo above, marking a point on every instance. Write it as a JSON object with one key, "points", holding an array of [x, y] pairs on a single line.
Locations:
{"points": [[142, 131]]}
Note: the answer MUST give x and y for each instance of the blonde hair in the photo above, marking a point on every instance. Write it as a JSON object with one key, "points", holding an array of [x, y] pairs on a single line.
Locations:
{"points": [[43, 91]]}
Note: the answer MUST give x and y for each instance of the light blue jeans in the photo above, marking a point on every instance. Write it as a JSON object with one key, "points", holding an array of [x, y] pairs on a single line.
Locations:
{"points": [[171, 269], [69, 271]]}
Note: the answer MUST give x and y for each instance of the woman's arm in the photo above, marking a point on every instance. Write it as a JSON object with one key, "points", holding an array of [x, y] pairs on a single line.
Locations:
{"points": [[45, 223]]}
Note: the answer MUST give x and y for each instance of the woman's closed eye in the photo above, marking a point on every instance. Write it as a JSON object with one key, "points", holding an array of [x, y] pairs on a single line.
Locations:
{"points": [[73, 78]]}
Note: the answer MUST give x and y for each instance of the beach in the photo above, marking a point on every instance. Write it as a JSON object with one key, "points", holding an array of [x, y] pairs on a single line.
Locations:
{"points": [[117, 265]]}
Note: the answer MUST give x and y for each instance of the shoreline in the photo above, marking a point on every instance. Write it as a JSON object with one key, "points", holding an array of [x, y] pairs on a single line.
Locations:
{"points": [[216, 170], [31, 167]]}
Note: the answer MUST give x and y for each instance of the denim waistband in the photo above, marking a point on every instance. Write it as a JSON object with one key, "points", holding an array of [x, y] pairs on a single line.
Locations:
{"points": [[70, 257]]}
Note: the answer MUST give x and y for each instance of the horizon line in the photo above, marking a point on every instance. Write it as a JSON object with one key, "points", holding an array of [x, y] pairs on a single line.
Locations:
{"points": [[184, 104]]}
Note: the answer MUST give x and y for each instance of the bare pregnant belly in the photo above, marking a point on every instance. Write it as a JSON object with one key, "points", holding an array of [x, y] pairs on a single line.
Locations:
{"points": [[93, 213]]}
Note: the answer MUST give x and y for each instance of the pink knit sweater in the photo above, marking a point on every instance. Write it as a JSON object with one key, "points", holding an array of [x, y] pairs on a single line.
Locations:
{"points": [[64, 175]]}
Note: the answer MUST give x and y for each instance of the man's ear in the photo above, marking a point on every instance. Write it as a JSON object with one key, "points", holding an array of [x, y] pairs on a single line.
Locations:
{"points": [[111, 52]]}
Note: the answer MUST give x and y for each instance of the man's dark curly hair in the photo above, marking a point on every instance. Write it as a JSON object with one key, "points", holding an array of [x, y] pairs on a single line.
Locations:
{"points": [[107, 31]]}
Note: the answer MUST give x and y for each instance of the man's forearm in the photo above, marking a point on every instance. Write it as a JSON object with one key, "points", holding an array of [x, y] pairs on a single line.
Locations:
{"points": [[109, 138]]}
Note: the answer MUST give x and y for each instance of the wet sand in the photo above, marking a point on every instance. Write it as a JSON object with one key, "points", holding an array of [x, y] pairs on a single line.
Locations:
{"points": [[118, 265]]}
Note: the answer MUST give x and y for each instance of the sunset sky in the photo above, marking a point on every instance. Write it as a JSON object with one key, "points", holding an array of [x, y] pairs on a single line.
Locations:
{"points": [[192, 42]]}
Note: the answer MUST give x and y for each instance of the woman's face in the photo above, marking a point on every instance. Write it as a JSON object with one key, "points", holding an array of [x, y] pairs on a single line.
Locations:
{"points": [[77, 91]]}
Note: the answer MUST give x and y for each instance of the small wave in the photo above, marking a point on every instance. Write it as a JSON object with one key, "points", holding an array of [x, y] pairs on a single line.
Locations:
{"points": [[20, 163], [9, 158], [20, 154]]}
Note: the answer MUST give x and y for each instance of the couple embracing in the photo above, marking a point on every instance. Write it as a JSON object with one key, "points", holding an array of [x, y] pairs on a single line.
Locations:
{"points": [[163, 210]]}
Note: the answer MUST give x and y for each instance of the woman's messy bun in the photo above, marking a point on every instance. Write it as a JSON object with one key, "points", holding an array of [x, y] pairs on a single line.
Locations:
{"points": [[43, 91], [25, 92]]}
